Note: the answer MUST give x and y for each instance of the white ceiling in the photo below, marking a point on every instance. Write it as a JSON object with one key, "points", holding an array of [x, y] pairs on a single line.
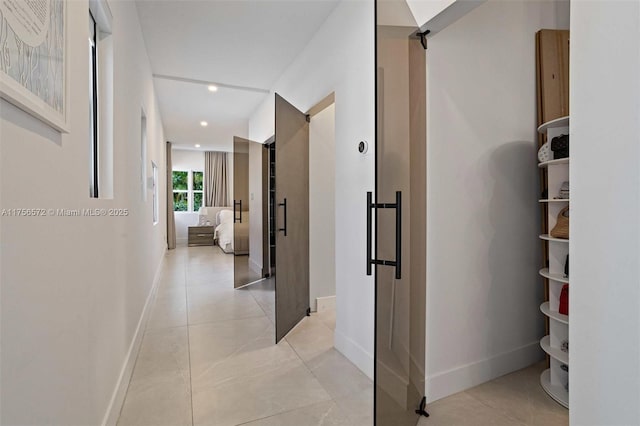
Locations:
{"points": [[245, 43]]}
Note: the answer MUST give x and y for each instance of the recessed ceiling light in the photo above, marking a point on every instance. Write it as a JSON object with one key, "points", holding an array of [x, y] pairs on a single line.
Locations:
{"points": [[204, 123], [213, 88], [197, 145]]}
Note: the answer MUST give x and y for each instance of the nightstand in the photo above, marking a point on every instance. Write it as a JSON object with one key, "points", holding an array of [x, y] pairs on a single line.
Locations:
{"points": [[201, 235]]}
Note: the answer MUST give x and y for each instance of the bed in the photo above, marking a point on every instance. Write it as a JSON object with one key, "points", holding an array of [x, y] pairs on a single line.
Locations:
{"points": [[233, 237]]}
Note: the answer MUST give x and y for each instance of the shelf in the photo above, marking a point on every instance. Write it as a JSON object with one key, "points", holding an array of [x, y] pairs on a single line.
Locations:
{"points": [[555, 200], [564, 319], [556, 353], [558, 393], [554, 162], [558, 122], [556, 277], [550, 238]]}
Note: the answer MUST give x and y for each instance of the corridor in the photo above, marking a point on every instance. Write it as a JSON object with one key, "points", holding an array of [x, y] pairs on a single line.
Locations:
{"points": [[208, 356]]}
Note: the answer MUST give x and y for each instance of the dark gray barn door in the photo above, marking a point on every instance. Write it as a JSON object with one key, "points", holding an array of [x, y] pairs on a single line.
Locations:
{"points": [[292, 216], [399, 212]]}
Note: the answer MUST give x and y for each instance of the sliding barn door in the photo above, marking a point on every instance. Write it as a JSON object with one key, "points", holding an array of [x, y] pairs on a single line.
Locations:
{"points": [[292, 216], [244, 271], [399, 212]]}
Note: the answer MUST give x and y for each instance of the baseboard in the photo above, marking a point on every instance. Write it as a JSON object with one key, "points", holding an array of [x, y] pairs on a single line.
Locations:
{"points": [[327, 303], [117, 398], [182, 241], [354, 353], [441, 385]]}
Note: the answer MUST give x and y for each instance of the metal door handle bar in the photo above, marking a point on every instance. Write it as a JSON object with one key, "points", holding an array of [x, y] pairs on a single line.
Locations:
{"points": [[284, 204], [398, 207], [235, 218]]}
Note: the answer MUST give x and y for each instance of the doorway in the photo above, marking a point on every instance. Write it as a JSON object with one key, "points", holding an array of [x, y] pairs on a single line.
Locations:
{"points": [[322, 212]]}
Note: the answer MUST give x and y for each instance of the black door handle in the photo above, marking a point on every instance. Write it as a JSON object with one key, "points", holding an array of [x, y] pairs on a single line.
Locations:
{"points": [[398, 207], [284, 204], [235, 217]]}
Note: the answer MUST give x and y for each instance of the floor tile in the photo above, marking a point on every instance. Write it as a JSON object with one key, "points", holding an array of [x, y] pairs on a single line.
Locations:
{"points": [[240, 375], [174, 279], [322, 414], [168, 312], [222, 278], [338, 375], [520, 396], [463, 410], [209, 304], [219, 348], [264, 293], [310, 339], [247, 397], [225, 368], [358, 406], [158, 401], [162, 351], [328, 317], [173, 292]]}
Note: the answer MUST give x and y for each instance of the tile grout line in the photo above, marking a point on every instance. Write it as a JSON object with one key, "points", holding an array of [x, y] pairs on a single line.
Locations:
{"points": [[284, 412], [186, 301], [260, 305], [135, 363]]}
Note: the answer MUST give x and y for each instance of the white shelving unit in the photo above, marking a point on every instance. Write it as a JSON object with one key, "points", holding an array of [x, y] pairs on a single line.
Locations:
{"points": [[554, 380], [556, 277]]}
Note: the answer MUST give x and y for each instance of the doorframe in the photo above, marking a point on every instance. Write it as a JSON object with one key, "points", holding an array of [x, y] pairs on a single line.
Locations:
{"points": [[316, 109]]}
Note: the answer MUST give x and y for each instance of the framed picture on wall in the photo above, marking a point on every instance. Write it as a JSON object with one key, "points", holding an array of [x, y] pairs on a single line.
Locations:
{"points": [[33, 59]]}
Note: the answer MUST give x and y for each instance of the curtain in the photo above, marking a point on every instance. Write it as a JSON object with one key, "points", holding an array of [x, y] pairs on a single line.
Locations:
{"points": [[216, 178], [171, 221]]}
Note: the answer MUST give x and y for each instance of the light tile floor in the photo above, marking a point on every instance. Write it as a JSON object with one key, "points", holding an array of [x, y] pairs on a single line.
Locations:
{"points": [[208, 358]]}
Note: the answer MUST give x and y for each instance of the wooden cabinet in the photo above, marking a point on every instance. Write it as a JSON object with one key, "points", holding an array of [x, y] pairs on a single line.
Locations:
{"points": [[201, 235], [552, 72]]}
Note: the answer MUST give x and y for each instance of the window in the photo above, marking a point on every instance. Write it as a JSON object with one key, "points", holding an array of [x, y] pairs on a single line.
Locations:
{"points": [[180, 191], [197, 190], [100, 99], [143, 156], [188, 191], [93, 108], [156, 205]]}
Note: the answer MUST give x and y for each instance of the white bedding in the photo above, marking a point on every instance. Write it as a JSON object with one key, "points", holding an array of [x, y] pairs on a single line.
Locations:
{"points": [[225, 235]]}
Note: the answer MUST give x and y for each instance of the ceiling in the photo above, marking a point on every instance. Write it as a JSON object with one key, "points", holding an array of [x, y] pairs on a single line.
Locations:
{"points": [[246, 43]]}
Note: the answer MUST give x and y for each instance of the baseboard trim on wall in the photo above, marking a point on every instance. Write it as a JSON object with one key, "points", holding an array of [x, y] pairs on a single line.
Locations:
{"points": [[461, 378], [326, 303], [117, 398], [354, 353]]}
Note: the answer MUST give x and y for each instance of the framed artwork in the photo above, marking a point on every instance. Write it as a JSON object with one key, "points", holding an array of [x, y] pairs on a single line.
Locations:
{"points": [[33, 59]]}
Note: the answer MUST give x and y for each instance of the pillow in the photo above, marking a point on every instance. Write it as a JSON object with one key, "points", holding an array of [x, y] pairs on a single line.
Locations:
{"points": [[224, 216]]}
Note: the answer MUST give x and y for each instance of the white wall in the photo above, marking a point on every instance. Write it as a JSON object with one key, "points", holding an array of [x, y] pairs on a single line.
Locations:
{"points": [[186, 160], [605, 206], [322, 220], [424, 10], [74, 288], [483, 287], [340, 59]]}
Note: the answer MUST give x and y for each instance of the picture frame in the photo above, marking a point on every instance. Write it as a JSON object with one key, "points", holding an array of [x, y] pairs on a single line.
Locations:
{"points": [[34, 66]]}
